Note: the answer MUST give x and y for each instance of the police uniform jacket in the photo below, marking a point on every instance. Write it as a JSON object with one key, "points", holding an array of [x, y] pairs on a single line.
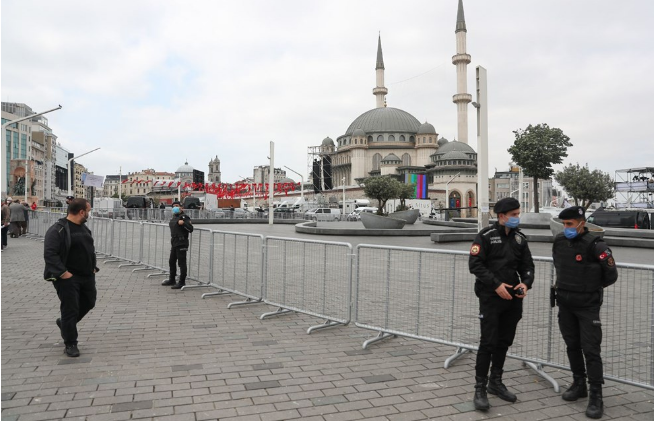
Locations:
{"points": [[497, 257], [179, 233], [584, 266]]}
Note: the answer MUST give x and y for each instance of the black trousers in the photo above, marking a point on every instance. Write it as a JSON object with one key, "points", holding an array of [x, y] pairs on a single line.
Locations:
{"points": [[581, 329], [77, 296], [5, 229], [178, 257], [499, 319]]}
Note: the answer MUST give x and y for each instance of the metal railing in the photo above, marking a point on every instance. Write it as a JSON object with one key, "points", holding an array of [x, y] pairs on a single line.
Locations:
{"points": [[424, 294]]}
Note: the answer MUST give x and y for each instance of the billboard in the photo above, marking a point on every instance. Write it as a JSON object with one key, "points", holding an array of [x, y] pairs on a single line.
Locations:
{"points": [[420, 180]]}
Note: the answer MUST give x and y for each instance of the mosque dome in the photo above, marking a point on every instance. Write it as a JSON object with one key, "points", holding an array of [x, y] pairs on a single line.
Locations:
{"points": [[455, 146], [391, 157], [385, 119], [185, 168], [442, 141], [426, 128], [327, 141], [359, 133], [455, 155]]}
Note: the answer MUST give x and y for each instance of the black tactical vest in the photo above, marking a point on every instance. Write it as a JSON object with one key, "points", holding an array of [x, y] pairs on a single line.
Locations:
{"points": [[577, 268], [178, 235]]}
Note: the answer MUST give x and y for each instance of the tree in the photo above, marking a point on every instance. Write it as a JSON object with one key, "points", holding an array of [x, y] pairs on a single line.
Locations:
{"points": [[406, 191], [381, 188], [535, 149], [585, 186]]}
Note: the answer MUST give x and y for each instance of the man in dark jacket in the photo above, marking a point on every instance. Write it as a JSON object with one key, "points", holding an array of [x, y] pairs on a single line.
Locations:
{"points": [[584, 267], [503, 267], [180, 227], [70, 264]]}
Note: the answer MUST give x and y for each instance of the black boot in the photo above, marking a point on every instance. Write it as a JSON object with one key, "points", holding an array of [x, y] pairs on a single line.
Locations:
{"points": [[496, 387], [178, 285], [576, 390], [168, 282], [481, 400], [595, 407]]}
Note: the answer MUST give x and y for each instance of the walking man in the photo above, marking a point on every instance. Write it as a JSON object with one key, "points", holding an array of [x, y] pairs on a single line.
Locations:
{"points": [[17, 217], [70, 264], [180, 227], [503, 267], [584, 267]]}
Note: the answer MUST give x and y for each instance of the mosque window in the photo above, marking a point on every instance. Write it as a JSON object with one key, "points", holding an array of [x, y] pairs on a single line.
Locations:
{"points": [[391, 138], [412, 139], [402, 138], [380, 138], [406, 159], [376, 161], [369, 139], [430, 140], [356, 141]]}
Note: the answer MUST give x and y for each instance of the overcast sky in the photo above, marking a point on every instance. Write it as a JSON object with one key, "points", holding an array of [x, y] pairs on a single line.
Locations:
{"points": [[154, 83]]}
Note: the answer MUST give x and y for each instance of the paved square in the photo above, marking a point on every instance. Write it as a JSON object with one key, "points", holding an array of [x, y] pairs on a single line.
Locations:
{"points": [[152, 353]]}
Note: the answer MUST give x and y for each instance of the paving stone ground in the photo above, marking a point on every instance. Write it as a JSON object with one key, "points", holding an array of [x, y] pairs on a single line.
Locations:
{"points": [[151, 353]]}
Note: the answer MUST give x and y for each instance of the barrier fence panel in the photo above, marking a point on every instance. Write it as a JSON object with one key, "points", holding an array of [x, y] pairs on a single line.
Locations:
{"points": [[310, 277], [101, 229], [199, 257], [156, 247], [238, 263], [126, 242]]}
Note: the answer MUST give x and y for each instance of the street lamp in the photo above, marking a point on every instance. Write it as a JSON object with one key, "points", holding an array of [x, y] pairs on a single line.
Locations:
{"points": [[70, 176], [301, 185], [343, 180], [4, 147]]}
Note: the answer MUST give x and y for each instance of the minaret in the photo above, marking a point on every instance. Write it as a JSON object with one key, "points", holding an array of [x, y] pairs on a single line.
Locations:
{"points": [[461, 61], [380, 91]]}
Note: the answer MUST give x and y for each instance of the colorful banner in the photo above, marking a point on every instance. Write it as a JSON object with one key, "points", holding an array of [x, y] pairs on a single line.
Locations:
{"points": [[420, 180]]}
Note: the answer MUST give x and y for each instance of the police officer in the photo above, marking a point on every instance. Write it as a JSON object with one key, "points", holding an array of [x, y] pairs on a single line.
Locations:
{"points": [[503, 267], [584, 267], [180, 227]]}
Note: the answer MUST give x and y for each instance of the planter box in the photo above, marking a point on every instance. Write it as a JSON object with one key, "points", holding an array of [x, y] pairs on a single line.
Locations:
{"points": [[410, 216], [372, 221]]}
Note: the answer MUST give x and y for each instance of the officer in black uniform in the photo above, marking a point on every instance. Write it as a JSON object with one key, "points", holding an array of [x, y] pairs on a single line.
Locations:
{"points": [[180, 227], [584, 267], [503, 267]]}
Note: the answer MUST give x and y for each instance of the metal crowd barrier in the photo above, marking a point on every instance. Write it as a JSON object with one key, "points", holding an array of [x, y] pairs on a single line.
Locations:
{"points": [[237, 266], [429, 295], [127, 241], [310, 277], [156, 248], [199, 259]]}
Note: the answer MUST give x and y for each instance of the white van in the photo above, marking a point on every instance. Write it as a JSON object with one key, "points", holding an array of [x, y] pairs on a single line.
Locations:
{"points": [[323, 214]]}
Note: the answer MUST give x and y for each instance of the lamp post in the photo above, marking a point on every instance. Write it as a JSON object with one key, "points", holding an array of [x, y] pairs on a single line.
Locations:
{"points": [[483, 205], [301, 185], [343, 180], [70, 176], [4, 146], [271, 183]]}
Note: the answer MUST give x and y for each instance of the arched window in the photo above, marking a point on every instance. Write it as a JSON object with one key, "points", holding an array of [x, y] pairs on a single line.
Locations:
{"points": [[380, 138], [430, 141], [376, 161], [402, 138], [369, 139], [406, 159], [412, 139], [356, 141], [391, 138]]}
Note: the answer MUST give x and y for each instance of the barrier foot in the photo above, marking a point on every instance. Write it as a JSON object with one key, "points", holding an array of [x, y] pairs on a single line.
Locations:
{"points": [[243, 303], [138, 269], [380, 337], [211, 294], [277, 312], [328, 323], [457, 354], [129, 264], [157, 274], [538, 368], [196, 286], [111, 261]]}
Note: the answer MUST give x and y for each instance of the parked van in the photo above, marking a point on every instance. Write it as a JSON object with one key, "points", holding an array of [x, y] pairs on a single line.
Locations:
{"points": [[137, 202], [323, 214], [191, 202], [636, 219]]}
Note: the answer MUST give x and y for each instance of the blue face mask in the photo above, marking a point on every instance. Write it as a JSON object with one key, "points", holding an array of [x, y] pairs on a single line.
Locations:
{"points": [[176, 210], [571, 232], [512, 222]]}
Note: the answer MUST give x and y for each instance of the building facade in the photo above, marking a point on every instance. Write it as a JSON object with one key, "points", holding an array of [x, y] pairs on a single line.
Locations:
{"points": [[507, 184], [214, 175]]}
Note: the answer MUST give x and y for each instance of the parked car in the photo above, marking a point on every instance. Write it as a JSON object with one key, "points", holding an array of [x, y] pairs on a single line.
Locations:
{"points": [[355, 215], [323, 214], [637, 219]]}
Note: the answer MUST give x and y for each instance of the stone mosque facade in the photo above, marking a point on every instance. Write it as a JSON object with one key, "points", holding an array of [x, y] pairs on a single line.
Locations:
{"points": [[390, 141]]}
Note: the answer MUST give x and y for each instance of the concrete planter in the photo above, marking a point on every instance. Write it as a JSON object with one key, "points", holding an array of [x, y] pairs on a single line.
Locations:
{"points": [[410, 216], [556, 226], [372, 221]]}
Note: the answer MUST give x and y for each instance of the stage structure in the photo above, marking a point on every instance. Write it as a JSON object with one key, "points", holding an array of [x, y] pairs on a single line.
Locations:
{"points": [[634, 188]]}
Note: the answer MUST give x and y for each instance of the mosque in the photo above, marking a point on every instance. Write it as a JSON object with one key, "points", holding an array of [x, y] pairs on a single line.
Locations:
{"points": [[390, 141]]}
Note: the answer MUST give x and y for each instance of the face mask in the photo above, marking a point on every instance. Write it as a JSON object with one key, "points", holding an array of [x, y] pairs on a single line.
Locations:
{"points": [[512, 222], [176, 210], [571, 232], [85, 218]]}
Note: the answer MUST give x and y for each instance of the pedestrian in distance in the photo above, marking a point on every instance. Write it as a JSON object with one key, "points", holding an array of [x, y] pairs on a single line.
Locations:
{"points": [[5, 222], [34, 206], [162, 205], [26, 213], [69, 199], [180, 228], [584, 267], [503, 267], [17, 218], [70, 264]]}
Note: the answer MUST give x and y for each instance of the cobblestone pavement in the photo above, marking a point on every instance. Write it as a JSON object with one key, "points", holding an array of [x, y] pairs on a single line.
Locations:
{"points": [[151, 353]]}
